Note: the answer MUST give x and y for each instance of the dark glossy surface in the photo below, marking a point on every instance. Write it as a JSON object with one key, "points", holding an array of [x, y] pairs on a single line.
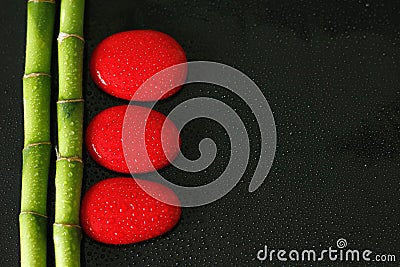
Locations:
{"points": [[330, 71]]}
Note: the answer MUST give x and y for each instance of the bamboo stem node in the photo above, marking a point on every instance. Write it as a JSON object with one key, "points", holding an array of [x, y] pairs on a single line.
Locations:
{"points": [[34, 213], [67, 225], [70, 101], [42, 1], [63, 35], [76, 159], [60, 157], [35, 74], [37, 144]]}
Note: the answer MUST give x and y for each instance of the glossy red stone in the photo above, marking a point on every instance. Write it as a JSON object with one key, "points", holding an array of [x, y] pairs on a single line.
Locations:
{"points": [[122, 62], [118, 211], [152, 139]]}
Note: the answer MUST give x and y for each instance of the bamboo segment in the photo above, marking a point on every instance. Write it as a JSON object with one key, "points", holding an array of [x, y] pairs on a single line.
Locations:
{"points": [[37, 147], [33, 233], [69, 165], [36, 91], [70, 188], [33, 219], [67, 244]]}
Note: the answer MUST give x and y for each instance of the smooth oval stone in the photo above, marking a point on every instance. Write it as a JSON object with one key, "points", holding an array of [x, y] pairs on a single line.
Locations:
{"points": [[152, 139], [118, 211], [122, 62]]}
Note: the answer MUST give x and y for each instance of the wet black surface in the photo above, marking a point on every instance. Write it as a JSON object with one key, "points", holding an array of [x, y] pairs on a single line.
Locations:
{"points": [[330, 72]]}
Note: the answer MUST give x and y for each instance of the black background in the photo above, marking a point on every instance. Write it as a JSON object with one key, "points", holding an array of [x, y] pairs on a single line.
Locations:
{"points": [[331, 73]]}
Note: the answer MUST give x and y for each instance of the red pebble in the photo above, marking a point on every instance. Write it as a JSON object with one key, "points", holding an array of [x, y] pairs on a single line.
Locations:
{"points": [[122, 62], [118, 211], [104, 139]]}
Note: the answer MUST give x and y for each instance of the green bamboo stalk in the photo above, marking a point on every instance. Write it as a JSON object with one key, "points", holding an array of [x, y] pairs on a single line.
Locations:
{"points": [[37, 147], [69, 165]]}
